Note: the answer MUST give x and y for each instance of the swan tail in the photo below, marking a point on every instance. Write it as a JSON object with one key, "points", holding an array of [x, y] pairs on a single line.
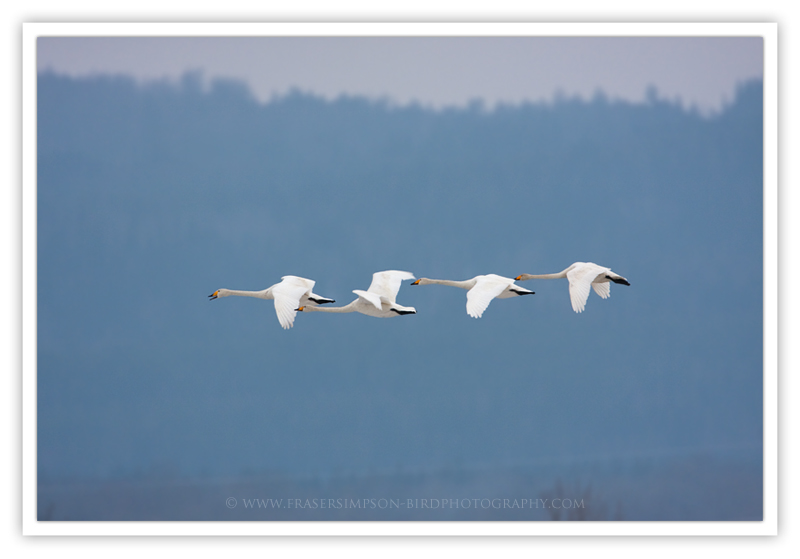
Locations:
{"points": [[618, 279], [521, 291], [404, 310], [320, 300]]}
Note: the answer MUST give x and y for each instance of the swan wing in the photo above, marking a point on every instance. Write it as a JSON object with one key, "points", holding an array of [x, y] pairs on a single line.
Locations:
{"points": [[603, 289], [287, 298], [297, 280], [482, 293], [387, 284], [580, 281], [373, 298]]}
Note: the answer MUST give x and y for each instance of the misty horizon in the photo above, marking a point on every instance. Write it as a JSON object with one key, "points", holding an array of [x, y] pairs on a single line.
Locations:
{"points": [[437, 72]]}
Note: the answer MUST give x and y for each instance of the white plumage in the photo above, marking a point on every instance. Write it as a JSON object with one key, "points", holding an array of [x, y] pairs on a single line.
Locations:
{"points": [[290, 293], [582, 277], [481, 290], [379, 300]]}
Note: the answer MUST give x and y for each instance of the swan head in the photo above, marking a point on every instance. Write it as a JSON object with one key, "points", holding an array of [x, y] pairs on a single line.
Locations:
{"points": [[217, 294], [422, 281]]}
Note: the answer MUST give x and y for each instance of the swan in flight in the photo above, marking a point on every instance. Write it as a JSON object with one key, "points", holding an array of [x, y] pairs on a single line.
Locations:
{"points": [[378, 300], [481, 290], [581, 275], [288, 294]]}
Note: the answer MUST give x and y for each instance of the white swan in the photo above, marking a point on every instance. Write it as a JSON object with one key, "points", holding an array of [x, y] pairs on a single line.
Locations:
{"points": [[481, 290], [581, 275], [288, 294], [378, 300]]}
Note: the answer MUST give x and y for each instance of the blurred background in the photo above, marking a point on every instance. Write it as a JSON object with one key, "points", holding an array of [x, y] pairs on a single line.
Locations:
{"points": [[170, 168]]}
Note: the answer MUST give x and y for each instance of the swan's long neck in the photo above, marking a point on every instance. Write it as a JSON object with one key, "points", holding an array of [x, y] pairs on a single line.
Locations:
{"points": [[263, 294], [466, 284], [347, 308], [545, 276]]}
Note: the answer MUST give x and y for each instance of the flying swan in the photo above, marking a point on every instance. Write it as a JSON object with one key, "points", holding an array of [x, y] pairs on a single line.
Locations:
{"points": [[288, 294], [378, 300], [481, 290], [581, 275]]}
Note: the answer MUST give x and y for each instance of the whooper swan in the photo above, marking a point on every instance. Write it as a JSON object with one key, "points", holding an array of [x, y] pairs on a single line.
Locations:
{"points": [[481, 290], [378, 300], [581, 275], [288, 294]]}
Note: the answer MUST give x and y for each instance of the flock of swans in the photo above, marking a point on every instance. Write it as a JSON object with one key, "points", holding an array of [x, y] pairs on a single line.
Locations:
{"points": [[294, 293]]}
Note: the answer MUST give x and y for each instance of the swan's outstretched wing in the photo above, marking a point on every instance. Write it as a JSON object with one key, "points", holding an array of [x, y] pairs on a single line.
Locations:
{"points": [[482, 293], [580, 282], [297, 280], [602, 289], [373, 298], [387, 284], [287, 298]]}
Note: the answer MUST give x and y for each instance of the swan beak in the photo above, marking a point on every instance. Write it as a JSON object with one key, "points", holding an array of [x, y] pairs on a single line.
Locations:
{"points": [[213, 295], [300, 309], [415, 283], [517, 278]]}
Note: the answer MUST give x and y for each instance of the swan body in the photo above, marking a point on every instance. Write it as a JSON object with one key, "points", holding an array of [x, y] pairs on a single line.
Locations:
{"points": [[481, 290], [288, 295], [582, 276], [378, 300]]}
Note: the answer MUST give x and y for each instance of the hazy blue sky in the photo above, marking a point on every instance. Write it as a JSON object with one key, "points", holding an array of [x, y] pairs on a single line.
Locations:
{"points": [[149, 199], [434, 71]]}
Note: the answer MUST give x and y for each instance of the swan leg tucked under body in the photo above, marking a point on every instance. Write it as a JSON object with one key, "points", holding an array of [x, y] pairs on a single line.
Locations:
{"points": [[290, 293], [481, 290], [582, 276], [378, 300]]}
